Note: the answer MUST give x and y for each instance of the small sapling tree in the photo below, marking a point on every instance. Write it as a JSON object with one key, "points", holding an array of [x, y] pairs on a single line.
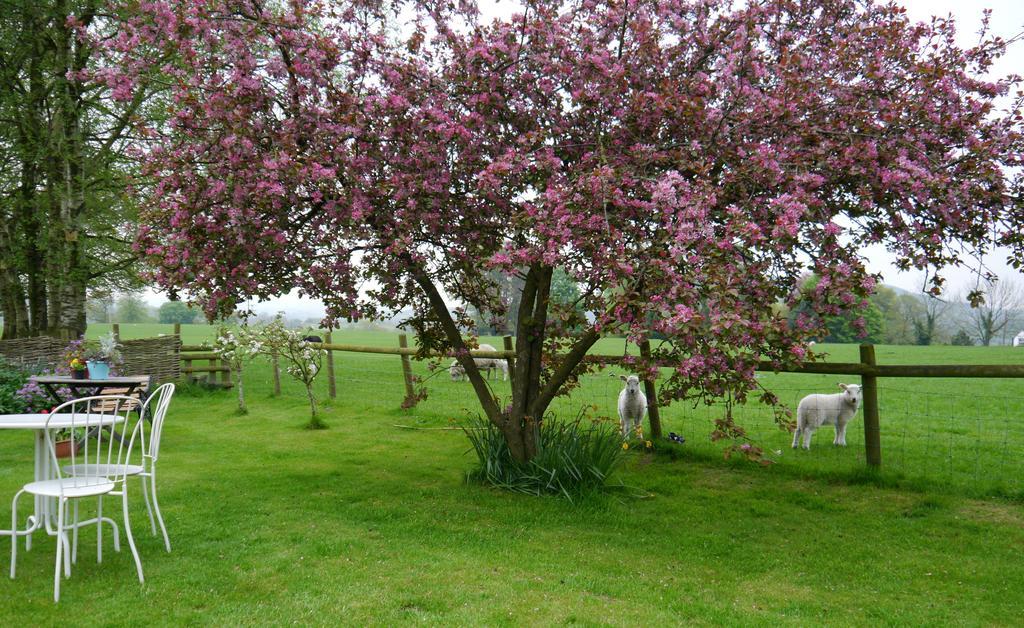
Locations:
{"points": [[235, 348], [302, 360]]}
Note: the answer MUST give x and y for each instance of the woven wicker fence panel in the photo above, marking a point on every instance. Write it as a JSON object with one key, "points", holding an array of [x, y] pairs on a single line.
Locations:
{"points": [[158, 357], [41, 352]]}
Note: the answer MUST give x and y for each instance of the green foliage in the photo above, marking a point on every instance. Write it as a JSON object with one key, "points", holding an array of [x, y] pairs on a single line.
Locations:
{"points": [[961, 339], [575, 458], [843, 329], [12, 379], [176, 312], [900, 312]]}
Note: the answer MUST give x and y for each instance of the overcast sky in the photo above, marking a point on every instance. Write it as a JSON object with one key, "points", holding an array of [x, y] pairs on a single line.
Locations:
{"points": [[1007, 21]]}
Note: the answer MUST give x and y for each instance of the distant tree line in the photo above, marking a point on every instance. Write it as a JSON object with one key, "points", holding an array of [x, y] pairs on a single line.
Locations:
{"points": [[894, 316]]}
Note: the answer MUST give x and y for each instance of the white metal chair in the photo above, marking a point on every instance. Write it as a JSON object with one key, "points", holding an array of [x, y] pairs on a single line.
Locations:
{"points": [[92, 425], [150, 427]]}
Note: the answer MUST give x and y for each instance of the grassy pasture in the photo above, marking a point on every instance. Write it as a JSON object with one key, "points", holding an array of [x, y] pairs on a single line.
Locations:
{"points": [[962, 433], [366, 523]]}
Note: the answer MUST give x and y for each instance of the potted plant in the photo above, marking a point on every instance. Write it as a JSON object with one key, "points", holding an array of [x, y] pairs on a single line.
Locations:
{"points": [[65, 442], [101, 359], [73, 361], [79, 368]]}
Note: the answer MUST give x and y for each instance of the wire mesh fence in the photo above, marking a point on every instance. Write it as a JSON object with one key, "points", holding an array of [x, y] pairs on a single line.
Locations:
{"points": [[966, 433]]}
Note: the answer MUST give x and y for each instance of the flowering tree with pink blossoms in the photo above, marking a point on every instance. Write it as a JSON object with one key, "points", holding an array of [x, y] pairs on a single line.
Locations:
{"points": [[684, 161]]}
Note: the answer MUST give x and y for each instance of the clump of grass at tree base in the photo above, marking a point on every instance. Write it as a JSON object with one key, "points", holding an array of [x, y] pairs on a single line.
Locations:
{"points": [[574, 458]]}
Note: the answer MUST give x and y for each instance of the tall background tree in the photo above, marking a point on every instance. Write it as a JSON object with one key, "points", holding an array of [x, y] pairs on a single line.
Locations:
{"points": [[685, 162], [66, 219], [176, 312], [132, 308], [1002, 307], [928, 318]]}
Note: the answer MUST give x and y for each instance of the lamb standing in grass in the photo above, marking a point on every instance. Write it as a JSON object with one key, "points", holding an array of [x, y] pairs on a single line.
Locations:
{"points": [[491, 364], [483, 364], [632, 405], [817, 410]]}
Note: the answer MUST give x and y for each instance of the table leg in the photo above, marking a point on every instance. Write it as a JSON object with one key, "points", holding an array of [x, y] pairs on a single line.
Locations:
{"points": [[53, 393], [44, 505], [36, 519]]}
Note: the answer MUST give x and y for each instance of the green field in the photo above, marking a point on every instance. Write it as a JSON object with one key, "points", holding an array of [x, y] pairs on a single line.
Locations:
{"points": [[369, 523], [967, 434]]}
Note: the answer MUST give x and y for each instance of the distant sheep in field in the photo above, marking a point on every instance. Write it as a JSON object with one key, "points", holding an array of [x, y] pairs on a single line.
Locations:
{"points": [[817, 410], [458, 373], [632, 405]]}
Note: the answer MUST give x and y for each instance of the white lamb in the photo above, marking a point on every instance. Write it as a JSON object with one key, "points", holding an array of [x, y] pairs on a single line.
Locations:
{"points": [[817, 410], [456, 371], [484, 364], [632, 405]]}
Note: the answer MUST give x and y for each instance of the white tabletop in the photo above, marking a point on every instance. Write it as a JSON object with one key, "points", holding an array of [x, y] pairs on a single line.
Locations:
{"points": [[37, 421]]}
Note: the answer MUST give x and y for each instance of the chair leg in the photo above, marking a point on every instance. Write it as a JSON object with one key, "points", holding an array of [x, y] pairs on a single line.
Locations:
{"points": [[60, 546], [14, 528], [128, 533], [74, 536], [63, 538], [159, 515], [99, 531], [145, 498]]}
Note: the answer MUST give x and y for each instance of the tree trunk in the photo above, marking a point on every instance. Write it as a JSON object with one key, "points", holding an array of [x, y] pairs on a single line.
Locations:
{"points": [[10, 313], [22, 328], [241, 393], [72, 308], [520, 422]]}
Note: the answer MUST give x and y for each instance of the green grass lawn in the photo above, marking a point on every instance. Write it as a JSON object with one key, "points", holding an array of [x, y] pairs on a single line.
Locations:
{"points": [[368, 523]]}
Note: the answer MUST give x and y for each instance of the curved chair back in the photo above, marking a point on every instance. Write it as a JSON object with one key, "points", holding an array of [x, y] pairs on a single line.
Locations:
{"points": [[155, 409], [97, 427]]}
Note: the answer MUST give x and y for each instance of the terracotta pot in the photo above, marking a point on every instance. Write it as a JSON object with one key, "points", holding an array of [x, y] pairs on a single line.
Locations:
{"points": [[83, 374], [63, 448]]}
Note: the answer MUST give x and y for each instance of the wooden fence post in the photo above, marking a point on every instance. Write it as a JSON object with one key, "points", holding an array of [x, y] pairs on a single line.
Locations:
{"points": [[117, 332], [653, 414], [510, 346], [225, 375], [177, 329], [869, 389], [410, 394], [332, 385]]}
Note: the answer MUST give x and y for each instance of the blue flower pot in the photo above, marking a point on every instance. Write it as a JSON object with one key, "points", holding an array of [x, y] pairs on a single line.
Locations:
{"points": [[98, 370]]}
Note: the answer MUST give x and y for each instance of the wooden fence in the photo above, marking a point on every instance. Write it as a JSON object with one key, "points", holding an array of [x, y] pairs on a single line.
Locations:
{"points": [[200, 363], [867, 369]]}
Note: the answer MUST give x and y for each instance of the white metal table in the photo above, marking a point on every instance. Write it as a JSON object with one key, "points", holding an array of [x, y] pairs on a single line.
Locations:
{"points": [[44, 510]]}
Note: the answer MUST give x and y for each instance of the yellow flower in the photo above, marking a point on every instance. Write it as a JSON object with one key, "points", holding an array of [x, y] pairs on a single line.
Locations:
{"points": [[648, 444], [625, 445]]}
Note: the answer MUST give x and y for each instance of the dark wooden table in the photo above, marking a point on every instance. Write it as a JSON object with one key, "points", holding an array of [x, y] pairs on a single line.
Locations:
{"points": [[91, 387], [125, 386]]}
